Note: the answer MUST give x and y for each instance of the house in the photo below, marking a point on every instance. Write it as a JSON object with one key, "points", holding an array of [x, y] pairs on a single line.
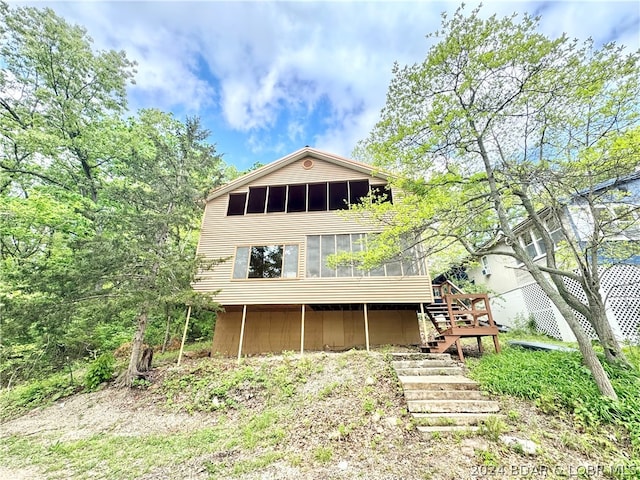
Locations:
{"points": [[277, 227], [517, 297]]}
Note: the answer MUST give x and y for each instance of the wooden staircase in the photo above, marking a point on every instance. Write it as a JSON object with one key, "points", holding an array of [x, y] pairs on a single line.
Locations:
{"points": [[456, 315], [438, 394]]}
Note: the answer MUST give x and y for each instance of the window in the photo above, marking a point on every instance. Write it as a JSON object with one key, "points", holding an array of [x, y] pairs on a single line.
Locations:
{"points": [[328, 247], [321, 247], [338, 196], [529, 246], [257, 198], [382, 193], [271, 261], [358, 189], [313, 197], [317, 197], [236, 203], [277, 198], [554, 229], [532, 243], [297, 199]]}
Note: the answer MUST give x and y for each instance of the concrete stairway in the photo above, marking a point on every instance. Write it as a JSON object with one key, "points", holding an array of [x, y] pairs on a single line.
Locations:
{"points": [[438, 395]]}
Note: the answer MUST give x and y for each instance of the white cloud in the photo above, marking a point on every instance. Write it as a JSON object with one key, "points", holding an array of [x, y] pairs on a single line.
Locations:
{"points": [[248, 62]]}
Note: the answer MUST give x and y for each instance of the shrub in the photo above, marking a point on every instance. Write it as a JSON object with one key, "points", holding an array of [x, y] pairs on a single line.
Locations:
{"points": [[101, 370]]}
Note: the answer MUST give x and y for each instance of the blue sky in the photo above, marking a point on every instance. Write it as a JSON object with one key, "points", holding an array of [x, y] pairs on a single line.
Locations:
{"points": [[268, 78]]}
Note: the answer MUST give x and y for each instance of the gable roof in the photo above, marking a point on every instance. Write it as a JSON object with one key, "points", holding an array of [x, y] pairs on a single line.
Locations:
{"points": [[291, 158]]}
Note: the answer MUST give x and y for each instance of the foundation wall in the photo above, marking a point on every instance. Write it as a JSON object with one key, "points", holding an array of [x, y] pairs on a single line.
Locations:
{"points": [[279, 330]]}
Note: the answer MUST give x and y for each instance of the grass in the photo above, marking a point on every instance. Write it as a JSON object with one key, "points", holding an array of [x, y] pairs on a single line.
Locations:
{"points": [[36, 393], [308, 414], [560, 385]]}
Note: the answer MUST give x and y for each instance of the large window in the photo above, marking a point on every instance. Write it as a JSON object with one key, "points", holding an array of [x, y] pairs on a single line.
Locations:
{"points": [[312, 197], [270, 261], [321, 247]]}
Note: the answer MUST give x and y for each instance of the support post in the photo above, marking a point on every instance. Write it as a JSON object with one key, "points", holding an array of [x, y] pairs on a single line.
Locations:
{"points": [[496, 343], [184, 334], [459, 347], [366, 326], [244, 318], [302, 331], [423, 337]]}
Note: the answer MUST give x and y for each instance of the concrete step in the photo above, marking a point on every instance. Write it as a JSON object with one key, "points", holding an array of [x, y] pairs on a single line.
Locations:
{"points": [[423, 363], [449, 419], [427, 371], [453, 406], [437, 382], [448, 428], [444, 395], [420, 356]]}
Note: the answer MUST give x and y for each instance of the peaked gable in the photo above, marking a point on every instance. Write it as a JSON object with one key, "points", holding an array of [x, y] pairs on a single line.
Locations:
{"points": [[255, 176]]}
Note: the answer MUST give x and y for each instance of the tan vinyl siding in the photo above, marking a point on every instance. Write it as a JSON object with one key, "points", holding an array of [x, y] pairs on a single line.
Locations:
{"points": [[221, 234]]}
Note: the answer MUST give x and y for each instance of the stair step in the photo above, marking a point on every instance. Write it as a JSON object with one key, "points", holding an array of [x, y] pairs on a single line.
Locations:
{"points": [[444, 395], [437, 382], [423, 363], [439, 419], [428, 371], [453, 406], [448, 428], [420, 356]]}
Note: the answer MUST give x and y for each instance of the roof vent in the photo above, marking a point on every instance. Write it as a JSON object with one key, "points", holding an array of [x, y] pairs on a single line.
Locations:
{"points": [[307, 164]]}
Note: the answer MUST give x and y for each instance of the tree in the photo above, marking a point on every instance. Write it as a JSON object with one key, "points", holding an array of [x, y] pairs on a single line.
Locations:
{"points": [[155, 191], [98, 214], [59, 104], [496, 123], [58, 100]]}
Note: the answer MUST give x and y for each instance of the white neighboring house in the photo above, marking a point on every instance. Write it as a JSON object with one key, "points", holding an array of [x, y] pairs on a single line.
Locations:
{"points": [[517, 297]]}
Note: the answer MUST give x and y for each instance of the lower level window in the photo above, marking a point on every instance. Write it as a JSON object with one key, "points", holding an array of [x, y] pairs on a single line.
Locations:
{"points": [[321, 247], [268, 261]]}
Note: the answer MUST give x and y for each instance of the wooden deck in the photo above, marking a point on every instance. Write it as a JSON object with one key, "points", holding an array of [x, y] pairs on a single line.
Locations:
{"points": [[456, 315]]}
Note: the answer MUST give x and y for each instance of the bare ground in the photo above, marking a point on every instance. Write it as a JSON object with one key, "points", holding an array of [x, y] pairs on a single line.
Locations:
{"points": [[344, 419]]}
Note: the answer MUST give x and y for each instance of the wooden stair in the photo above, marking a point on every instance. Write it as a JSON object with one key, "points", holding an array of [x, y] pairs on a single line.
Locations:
{"points": [[456, 315], [441, 402]]}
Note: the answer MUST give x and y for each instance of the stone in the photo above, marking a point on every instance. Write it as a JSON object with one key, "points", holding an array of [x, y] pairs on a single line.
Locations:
{"points": [[528, 447]]}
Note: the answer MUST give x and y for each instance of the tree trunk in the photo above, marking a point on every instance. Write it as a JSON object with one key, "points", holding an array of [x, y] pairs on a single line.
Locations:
{"points": [[165, 342], [598, 319], [588, 353], [144, 364], [126, 378], [584, 344]]}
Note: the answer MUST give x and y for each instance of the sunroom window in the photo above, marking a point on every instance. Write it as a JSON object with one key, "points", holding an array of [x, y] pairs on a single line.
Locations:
{"points": [[321, 247], [312, 197]]}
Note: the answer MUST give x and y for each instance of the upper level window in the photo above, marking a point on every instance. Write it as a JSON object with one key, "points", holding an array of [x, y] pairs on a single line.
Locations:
{"points": [[297, 198], [257, 198], [338, 195], [312, 197], [554, 229], [317, 193], [270, 261], [382, 193], [237, 202], [277, 199]]}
